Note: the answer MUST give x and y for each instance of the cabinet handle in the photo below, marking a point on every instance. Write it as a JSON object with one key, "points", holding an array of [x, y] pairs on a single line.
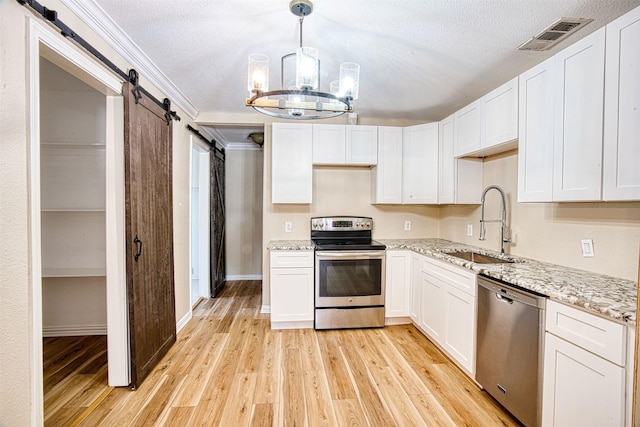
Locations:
{"points": [[138, 243]]}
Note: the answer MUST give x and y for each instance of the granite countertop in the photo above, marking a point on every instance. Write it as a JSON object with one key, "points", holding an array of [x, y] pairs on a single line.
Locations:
{"points": [[605, 295]]}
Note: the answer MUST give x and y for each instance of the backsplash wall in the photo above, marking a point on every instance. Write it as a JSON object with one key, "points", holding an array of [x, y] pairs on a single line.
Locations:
{"points": [[550, 232]]}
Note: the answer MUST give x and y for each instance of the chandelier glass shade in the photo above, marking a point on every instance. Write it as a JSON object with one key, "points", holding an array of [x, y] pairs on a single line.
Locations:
{"points": [[305, 100]]}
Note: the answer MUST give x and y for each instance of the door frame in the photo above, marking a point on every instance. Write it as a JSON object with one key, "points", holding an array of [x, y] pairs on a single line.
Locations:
{"points": [[44, 41], [204, 173]]}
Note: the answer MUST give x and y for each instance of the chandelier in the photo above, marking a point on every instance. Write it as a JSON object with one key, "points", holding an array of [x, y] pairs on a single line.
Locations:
{"points": [[302, 100]]}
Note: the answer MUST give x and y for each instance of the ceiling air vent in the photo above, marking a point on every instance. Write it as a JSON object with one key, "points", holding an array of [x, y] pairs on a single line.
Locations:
{"points": [[554, 33]]}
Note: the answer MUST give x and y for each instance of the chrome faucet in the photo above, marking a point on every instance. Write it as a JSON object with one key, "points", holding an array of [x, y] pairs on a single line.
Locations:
{"points": [[505, 235]]}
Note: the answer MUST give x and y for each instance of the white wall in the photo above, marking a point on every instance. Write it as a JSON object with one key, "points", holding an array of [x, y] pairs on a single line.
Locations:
{"points": [[243, 210], [551, 232]]}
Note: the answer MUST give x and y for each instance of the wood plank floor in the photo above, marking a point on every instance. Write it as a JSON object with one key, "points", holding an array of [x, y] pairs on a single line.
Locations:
{"points": [[228, 368]]}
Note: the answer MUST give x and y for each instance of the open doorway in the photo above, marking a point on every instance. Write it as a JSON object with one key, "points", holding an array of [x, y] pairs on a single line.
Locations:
{"points": [[200, 213]]}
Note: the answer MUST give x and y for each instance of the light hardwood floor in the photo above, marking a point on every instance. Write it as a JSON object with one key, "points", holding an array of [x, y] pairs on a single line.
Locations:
{"points": [[228, 368]]}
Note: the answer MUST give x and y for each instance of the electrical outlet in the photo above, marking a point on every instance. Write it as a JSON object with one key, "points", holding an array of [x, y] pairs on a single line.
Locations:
{"points": [[407, 225], [288, 226], [469, 229], [587, 248]]}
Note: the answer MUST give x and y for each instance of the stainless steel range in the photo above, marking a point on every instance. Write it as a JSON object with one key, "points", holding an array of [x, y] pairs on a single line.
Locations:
{"points": [[349, 273]]}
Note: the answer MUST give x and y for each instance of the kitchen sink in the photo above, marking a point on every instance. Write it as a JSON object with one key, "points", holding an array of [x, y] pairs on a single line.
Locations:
{"points": [[479, 258]]}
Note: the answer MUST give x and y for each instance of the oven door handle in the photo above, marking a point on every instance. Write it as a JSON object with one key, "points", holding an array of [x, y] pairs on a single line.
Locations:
{"points": [[350, 254]]}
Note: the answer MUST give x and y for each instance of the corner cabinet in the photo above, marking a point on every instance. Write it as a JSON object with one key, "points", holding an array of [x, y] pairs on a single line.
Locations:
{"points": [[292, 294], [621, 174], [291, 163], [584, 374], [420, 164]]}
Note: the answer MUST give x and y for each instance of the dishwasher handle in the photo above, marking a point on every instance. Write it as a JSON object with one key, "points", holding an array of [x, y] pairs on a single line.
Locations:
{"points": [[504, 299]]}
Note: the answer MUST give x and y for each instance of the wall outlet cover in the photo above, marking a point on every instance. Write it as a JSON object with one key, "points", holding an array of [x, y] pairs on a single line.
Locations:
{"points": [[587, 248], [469, 229], [407, 225], [288, 227]]}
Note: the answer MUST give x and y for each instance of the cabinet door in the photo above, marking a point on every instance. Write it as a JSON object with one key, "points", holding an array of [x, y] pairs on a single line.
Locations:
{"points": [[500, 115], [329, 145], [291, 167], [415, 304], [432, 310], [535, 145], [580, 389], [291, 294], [420, 164], [398, 280], [579, 88], [460, 327], [386, 176], [468, 132], [361, 145], [447, 170], [621, 175]]}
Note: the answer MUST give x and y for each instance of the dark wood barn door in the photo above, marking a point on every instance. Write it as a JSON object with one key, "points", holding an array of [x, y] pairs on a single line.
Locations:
{"points": [[149, 234], [218, 272]]}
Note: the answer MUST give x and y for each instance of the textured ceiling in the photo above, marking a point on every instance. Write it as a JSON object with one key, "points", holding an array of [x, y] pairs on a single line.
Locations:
{"points": [[420, 60]]}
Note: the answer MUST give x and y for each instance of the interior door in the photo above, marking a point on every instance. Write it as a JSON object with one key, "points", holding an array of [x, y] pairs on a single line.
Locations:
{"points": [[149, 233], [218, 272]]}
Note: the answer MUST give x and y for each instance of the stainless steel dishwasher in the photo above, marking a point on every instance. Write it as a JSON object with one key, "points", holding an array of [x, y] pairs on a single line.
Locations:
{"points": [[510, 347]]}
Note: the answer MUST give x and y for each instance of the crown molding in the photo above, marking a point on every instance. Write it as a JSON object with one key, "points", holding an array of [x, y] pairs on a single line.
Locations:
{"points": [[98, 20]]}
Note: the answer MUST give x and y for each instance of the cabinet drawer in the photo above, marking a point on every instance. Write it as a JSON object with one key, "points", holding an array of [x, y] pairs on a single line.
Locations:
{"points": [[457, 277], [600, 336], [293, 259]]}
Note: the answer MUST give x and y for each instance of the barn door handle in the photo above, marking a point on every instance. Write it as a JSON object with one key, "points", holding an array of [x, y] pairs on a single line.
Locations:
{"points": [[138, 243]]}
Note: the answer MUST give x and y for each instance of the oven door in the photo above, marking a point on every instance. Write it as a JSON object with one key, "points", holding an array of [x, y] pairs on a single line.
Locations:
{"points": [[349, 278]]}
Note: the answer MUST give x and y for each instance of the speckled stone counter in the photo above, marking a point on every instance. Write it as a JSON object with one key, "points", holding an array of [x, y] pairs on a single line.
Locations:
{"points": [[605, 295], [290, 245]]}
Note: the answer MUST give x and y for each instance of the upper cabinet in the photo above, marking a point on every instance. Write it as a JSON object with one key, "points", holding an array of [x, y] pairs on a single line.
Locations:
{"points": [[420, 164], [460, 180], [291, 163], [621, 174], [488, 125], [578, 109], [590, 97], [345, 145], [386, 177]]}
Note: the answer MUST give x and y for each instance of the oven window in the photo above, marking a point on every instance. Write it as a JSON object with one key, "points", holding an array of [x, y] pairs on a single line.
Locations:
{"points": [[350, 278]]}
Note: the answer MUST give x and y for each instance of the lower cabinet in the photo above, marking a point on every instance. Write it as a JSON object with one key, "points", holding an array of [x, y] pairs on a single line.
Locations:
{"points": [[447, 308], [397, 287], [292, 290], [582, 387]]}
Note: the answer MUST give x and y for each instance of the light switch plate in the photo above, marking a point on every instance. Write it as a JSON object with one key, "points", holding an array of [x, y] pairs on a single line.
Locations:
{"points": [[469, 229], [288, 227], [407, 225], [587, 248]]}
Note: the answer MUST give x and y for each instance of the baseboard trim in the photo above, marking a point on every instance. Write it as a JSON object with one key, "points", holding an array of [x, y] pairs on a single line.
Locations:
{"points": [[265, 309], [402, 320], [296, 324], [183, 322], [243, 277], [73, 330]]}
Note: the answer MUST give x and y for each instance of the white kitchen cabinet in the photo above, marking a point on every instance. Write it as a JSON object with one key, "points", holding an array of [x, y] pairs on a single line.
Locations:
{"points": [[448, 310], [468, 129], [292, 292], [386, 176], [584, 374], [291, 163], [345, 145], [415, 303], [578, 112], [398, 287], [621, 174], [420, 164], [460, 180], [535, 145], [500, 116], [329, 145], [361, 145], [488, 125]]}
